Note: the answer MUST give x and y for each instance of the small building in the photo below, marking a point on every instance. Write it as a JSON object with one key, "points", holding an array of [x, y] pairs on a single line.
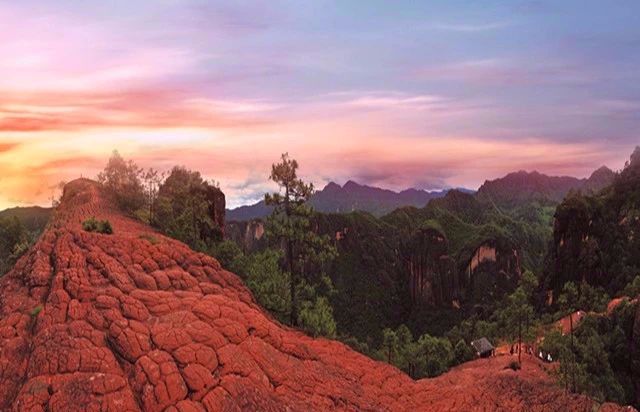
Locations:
{"points": [[483, 347]]}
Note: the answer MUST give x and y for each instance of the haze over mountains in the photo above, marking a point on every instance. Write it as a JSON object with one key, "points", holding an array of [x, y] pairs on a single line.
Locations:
{"points": [[348, 198], [514, 187]]}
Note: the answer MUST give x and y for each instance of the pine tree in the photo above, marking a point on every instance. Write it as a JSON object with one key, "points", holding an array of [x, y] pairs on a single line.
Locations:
{"points": [[304, 250]]}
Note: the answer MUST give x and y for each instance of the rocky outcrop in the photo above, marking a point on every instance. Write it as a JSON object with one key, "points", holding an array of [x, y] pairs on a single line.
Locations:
{"points": [[217, 203], [249, 235], [137, 321], [493, 270]]}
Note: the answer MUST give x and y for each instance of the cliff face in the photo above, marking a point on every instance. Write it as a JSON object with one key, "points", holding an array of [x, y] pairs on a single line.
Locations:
{"points": [[435, 279], [493, 270], [248, 234], [432, 274], [136, 321], [595, 237]]}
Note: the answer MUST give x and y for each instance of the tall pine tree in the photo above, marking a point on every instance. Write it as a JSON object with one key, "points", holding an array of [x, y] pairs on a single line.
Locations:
{"points": [[304, 250]]}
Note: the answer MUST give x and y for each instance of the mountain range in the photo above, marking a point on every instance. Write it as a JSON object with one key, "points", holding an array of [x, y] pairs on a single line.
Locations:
{"points": [[350, 197], [512, 188]]}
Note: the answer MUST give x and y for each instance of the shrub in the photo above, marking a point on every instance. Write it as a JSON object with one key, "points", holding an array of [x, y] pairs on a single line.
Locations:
{"points": [[105, 227], [99, 226], [462, 352], [90, 225]]}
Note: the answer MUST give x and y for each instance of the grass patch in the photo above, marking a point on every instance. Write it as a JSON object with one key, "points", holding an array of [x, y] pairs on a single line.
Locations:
{"points": [[152, 239], [35, 311], [99, 226]]}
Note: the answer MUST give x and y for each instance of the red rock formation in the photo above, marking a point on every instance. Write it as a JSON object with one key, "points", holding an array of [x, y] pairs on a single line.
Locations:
{"points": [[136, 321]]}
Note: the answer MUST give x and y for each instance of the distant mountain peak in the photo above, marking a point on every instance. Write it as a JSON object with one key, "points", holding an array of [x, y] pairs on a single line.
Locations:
{"points": [[602, 171], [523, 185], [351, 196], [350, 184]]}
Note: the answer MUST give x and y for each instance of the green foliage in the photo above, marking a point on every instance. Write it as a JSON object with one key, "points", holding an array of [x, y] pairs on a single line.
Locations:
{"points": [[17, 237], [99, 226], [305, 252], [183, 209], [473, 327], [462, 352], [434, 356], [390, 344], [370, 290], [269, 284], [582, 296], [36, 311], [317, 318], [230, 256], [427, 356], [595, 236], [122, 179], [150, 238], [599, 363], [105, 227], [633, 288], [355, 344], [517, 317]]}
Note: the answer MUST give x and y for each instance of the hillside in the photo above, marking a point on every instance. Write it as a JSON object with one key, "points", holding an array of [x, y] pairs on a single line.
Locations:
{"points": [[33, 218], [137, 321], [350, 197]]}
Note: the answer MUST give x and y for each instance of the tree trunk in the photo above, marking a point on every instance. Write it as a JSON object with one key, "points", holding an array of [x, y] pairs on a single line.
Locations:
{"points": [[520, 341], [573, 355], [292, 273], [293, 285]]}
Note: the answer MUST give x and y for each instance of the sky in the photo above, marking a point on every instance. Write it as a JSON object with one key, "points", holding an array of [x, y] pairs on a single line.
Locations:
{"points": [[395, 94]]}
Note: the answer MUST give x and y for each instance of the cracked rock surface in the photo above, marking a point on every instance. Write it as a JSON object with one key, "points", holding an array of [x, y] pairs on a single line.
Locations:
{"points": [[135, 321]]}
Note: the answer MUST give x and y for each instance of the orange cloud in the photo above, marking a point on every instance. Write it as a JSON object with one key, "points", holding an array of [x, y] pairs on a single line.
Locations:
{"points": [[9, 146], [65, 111]]}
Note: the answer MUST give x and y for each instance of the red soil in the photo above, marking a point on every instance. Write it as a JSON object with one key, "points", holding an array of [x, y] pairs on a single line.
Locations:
{"points": [[564, 324], [129, 324]]}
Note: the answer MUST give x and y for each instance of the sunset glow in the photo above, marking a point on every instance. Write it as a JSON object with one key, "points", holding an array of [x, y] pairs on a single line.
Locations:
{"points": [[418, 96]]}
